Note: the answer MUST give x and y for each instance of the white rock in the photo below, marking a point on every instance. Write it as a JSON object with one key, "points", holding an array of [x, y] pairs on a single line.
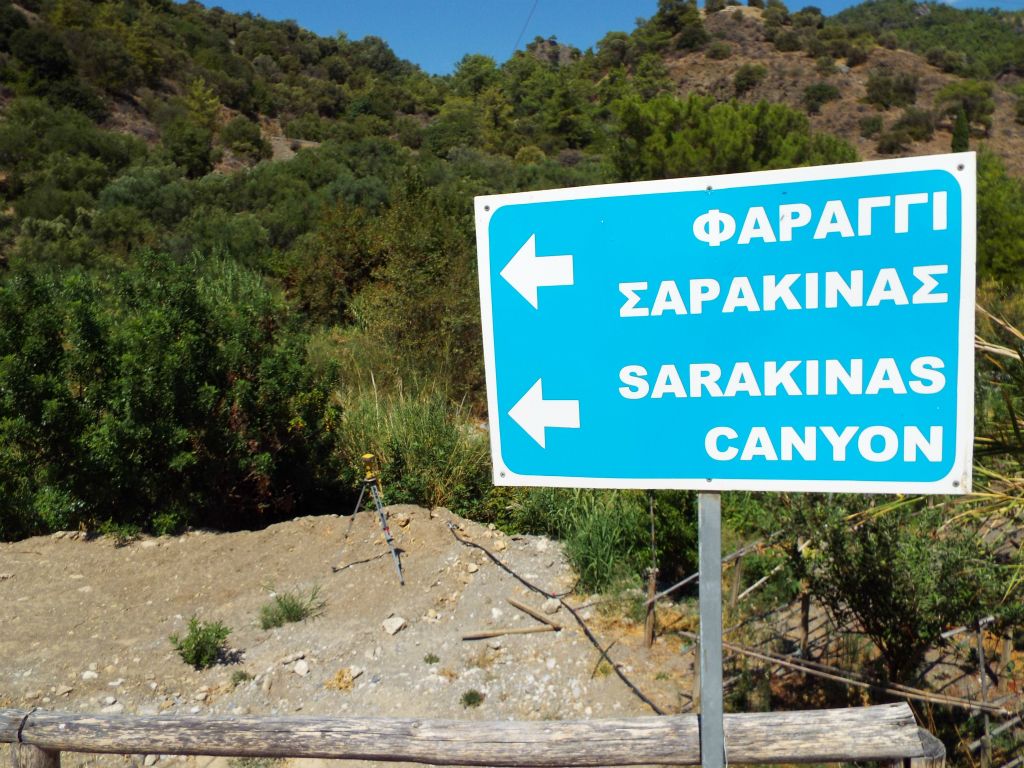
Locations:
{"points": [[551, 605], [500, 545], [108, 700], [114, 709], [494, 645], [393, 625], [551, 663], [90, 675], [267, 684], [472, 567], [292, 657], [150, 760], [301, 668], [6, 576], [542, 545], [116, 683], [201, 696], [63, 690]]}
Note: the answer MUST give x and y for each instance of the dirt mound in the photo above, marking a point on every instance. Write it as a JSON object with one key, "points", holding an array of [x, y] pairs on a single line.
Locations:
{"points": [[86, 626]]}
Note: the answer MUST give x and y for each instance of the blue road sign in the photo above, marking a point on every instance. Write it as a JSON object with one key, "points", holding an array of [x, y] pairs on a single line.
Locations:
{"points": [[805, 329]]}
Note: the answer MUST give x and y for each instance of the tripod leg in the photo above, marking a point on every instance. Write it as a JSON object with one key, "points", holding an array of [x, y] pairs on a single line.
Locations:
{"points": [[387, 532], [348, 528], [359, 503]]}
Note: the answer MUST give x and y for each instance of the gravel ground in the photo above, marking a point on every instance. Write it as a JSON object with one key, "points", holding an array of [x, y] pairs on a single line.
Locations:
{"points": [[86, 626]]}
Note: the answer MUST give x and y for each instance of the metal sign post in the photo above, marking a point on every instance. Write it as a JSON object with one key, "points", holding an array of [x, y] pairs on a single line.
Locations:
{"points": [[712, 734]]}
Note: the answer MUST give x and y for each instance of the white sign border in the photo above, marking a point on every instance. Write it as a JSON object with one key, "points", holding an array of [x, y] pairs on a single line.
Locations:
{"points": [[961, 166]]}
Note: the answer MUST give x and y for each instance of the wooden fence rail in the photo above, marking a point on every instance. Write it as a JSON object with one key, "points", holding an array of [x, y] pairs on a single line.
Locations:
{"points": [[885, 733]]}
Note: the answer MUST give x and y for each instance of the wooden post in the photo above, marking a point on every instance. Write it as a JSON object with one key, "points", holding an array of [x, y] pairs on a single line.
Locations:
{"points": [[933, 752], [737, 582], [27, 756], [986, 740], [652, 581], [805, 620], [1005, 657]]}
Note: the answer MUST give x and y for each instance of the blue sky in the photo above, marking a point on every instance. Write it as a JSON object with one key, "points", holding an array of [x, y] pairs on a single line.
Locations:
{"points": [[436, 33]]}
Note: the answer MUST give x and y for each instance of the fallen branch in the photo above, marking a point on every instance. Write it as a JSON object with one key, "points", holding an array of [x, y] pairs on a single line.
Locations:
{"points": [[483, 634], [530, 612]]}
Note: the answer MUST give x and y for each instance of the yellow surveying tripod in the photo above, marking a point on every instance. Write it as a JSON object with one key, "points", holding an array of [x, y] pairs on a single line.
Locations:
{"points": [[371, 482]]}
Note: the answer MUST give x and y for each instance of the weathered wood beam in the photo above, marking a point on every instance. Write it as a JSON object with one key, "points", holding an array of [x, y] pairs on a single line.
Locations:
{"points": [[881, 733]]}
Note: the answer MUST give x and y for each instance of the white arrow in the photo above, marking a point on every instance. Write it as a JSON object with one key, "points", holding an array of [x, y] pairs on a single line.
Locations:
{"points": [[534, 414], [526, 272]]}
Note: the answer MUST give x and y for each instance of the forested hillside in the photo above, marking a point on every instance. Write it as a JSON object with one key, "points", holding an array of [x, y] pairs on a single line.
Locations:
{"points": [[235, 255]]}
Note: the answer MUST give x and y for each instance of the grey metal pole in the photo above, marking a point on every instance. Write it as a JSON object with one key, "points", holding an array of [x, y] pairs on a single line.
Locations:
{"points": [[712, 735]]}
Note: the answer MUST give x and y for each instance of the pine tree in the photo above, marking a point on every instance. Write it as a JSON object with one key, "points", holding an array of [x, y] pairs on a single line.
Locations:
{"points": [[961, 131]]}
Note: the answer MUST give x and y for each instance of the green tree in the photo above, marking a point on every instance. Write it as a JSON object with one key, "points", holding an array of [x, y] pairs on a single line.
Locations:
{"points": [[974, 97], [1000, 223], [905, 578], [202, 104], [189, 145], [667, 137], [175, 391], [961, 132]]}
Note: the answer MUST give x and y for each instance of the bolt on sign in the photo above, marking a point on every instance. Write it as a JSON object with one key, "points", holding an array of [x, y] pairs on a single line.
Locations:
{"points": [[805, 329]]}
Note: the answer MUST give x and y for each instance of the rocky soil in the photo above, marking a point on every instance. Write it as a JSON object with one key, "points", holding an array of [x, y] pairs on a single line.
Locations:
{"points": [[86, 626]]}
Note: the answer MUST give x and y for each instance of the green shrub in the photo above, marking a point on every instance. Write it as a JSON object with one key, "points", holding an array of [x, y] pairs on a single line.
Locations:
{"points": [[886, 89], [918, 124], [817, 94], [607, 533], [892, 142], [291, 607], [947, 60], [871, 125], [747, 77], [719, 49], [755, 3], [190, 146], [788, 40], [240, 676], [472, 698], [162, 389], [856, 55], [430, 452], [123, 534], [203, 644], [243, 136], [431, 658]]}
